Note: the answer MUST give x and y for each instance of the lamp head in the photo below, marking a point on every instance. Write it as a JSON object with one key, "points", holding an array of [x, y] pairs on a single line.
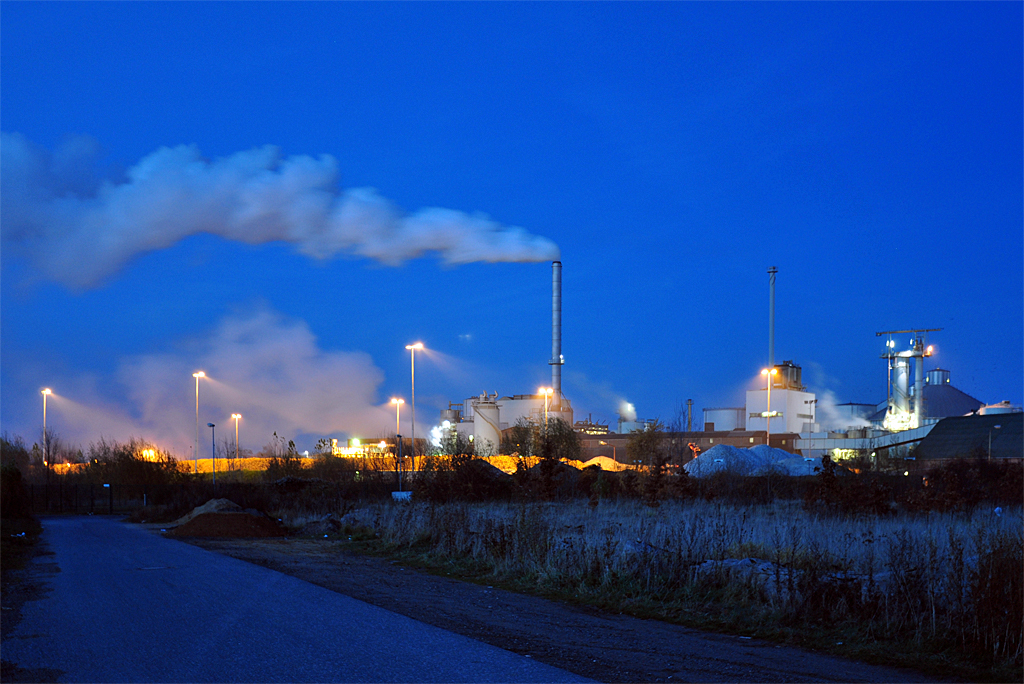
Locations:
{"points": [[210, 425], [47, 391], [199, 374], [417, 346], [236, 416], [397, 401]]}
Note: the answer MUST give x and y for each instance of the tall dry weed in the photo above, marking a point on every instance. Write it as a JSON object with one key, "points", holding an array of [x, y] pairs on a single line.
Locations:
{"points": [[936, 578]]}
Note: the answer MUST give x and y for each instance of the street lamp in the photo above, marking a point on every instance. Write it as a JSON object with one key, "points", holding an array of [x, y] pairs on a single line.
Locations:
{"points": [[195, 452], [994, 427], [398, 413], [235, 417], [604, 443], [768, 414], [46, 451], [213, 449], [412, 350], [547, 392], [810, 405]]}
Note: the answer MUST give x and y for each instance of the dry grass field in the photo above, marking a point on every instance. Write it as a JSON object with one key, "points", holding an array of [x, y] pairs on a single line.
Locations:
{"points": [[938, 591]]}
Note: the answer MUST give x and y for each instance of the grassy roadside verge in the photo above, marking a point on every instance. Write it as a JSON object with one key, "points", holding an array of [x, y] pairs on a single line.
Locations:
{"points": [[618, 560]]}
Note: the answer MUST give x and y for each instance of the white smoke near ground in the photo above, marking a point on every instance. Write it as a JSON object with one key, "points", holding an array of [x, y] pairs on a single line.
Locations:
{"points": [[266, 367], [269, 369], [827, 412], [830, 417], [79, 228]]}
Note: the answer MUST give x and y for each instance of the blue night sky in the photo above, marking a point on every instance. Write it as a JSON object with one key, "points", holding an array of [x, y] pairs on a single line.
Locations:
{"points": [[285, 195]]}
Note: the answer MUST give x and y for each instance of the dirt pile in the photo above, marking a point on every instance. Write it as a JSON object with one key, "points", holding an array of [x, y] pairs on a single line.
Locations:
{"points": [[222, 518], [211, 506]]}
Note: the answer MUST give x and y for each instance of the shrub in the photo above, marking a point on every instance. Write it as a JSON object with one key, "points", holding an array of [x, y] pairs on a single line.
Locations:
{"points": [[14, 499], [447, 478]]}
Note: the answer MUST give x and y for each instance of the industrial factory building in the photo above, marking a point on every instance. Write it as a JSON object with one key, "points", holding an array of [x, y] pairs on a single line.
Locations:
{"points": [[928, 411], [989, 436], [482, 419]]}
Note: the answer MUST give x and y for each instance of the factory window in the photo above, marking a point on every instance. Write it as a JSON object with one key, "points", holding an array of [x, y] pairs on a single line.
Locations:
{"points": [[783, 441], [711, 441], [751, 440]]}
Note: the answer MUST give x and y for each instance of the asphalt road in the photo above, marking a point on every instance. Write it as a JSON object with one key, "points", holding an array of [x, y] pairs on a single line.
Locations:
{"points": [[130, 606]]}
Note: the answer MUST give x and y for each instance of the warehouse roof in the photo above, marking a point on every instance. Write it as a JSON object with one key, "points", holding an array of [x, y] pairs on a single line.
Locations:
{"points": [[966, 436], [943, 401]]}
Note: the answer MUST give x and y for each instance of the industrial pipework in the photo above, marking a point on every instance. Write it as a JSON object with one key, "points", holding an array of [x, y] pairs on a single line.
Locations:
{"points": [[556, 332], [899, 415]]}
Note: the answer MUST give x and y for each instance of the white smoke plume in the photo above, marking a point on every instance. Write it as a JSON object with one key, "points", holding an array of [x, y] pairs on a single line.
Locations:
{"points": [[829, 417], [827, 412], [266, 367], [600, 395], [79, 228]]}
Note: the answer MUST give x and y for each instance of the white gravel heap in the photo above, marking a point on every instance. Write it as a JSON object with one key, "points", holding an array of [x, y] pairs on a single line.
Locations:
{"points": [[758, 460]]}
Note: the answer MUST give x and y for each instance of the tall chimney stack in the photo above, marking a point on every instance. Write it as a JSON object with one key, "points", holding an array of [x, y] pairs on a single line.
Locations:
{"points": [[771, 316], [556, 331]]}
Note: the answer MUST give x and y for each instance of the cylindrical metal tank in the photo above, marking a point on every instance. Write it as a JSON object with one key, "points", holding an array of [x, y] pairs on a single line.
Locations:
{"points": [[901, 384], [486, 430], [938, 376]]}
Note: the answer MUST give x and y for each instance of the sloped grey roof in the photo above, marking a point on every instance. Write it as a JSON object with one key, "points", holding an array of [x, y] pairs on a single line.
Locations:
{"points": [[943, 401], [959, 436]]}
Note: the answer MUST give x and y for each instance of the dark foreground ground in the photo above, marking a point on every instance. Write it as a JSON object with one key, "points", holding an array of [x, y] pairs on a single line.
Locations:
{"points": [[601, 646]]}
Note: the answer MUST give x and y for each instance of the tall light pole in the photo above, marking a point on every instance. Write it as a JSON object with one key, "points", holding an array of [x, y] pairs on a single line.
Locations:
{"points": [[195, 452], [235, 417], [603, 443], [994, 427], [46, 444], [412, 350], [547, 392], [213, 448], [768, 414], [398, 414]]}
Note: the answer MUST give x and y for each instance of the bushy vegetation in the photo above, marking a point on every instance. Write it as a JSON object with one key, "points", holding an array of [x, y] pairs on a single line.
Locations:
{"points": [[14, 499]]}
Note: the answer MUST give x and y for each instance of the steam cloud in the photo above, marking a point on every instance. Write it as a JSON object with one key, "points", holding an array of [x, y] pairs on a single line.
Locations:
{"points": [[260, 364], [78, 228], [829, 417], [272, 371]]}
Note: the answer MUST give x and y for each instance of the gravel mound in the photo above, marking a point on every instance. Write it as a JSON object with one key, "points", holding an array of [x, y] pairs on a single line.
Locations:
{"points": [[759, 460], [604, 463]]}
